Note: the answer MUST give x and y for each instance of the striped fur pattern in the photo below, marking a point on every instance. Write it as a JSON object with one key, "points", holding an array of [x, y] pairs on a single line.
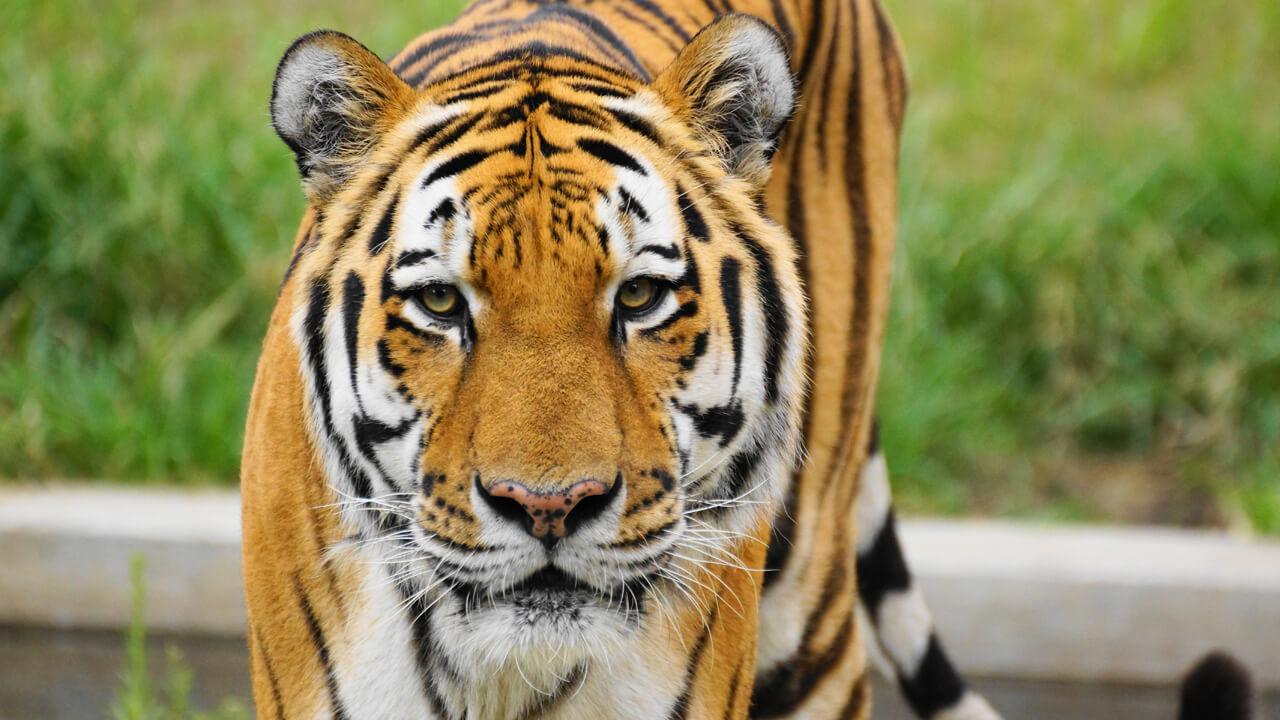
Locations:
{"points": [[478, 481], [903, 644]]}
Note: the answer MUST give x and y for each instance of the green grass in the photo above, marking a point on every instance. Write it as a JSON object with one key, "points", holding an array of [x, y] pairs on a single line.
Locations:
{"points": [[1085, 323], [1089, 261], [137, 697]]}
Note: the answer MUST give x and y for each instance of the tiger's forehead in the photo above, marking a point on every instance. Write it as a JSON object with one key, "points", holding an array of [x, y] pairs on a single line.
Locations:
{"points": [[544, 178]]}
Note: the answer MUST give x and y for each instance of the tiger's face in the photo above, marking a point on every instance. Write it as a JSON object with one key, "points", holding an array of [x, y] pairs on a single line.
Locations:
{"points": [[552, 344]]}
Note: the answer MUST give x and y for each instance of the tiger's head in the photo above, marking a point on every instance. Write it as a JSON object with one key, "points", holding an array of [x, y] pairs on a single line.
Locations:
{"points": [[552, 345]]}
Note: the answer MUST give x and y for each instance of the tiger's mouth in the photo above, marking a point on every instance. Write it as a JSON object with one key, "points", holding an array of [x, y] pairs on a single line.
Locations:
{"points": [[552, 595], [551, 580]]}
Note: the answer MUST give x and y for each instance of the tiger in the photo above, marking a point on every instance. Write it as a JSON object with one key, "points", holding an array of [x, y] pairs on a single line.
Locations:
{"points": [[565, 407]]}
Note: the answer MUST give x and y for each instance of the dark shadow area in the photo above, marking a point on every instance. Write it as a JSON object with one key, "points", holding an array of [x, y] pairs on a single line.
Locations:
{"points": [[63, 675]]}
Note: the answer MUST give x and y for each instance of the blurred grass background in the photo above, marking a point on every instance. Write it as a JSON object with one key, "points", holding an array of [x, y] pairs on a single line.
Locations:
{"points": [[1085, 322]]}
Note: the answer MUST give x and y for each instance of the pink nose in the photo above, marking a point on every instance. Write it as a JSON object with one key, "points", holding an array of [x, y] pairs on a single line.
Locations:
{"points": [[549, 509]]}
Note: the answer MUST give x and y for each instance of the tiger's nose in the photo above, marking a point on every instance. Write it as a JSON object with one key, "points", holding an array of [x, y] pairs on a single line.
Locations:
{"points": [[546, 514]]}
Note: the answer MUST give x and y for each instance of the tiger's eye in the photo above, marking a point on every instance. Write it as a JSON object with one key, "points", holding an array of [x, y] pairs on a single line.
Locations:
{"points": [[636, 294], [440, 299]]}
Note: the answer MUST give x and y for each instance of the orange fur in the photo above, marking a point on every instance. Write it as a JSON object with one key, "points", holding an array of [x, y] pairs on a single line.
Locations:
{"points": [[547, 396]]}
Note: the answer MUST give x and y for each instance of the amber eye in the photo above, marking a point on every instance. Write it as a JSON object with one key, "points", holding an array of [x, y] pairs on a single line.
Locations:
{"points": [[639, 294], [441, 299]]}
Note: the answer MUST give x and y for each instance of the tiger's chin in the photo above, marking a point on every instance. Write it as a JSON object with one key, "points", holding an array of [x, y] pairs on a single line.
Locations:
{"points": [[549, 616]]}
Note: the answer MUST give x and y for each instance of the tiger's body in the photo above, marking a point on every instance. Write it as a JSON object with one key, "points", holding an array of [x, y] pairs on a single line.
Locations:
{"points": [[516, 167]]}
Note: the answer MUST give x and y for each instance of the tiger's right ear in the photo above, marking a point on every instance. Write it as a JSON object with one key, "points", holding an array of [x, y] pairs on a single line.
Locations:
{"points": [[331, 102]]}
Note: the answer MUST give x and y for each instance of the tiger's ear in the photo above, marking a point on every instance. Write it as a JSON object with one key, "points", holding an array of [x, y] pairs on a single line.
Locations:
{"points": [[331, 101], [733, 84]]}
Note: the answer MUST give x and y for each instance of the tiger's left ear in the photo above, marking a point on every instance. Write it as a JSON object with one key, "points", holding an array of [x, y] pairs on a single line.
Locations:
{"points": [[332, 101], [733, 84]]}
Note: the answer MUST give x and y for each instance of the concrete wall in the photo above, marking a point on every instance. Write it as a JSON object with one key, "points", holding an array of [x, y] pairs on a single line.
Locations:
{"points": [[1076, 603]]}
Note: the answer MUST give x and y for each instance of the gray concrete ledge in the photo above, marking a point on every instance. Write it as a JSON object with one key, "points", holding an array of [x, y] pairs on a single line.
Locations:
{"points": [[1016, 600], [64, 558]]}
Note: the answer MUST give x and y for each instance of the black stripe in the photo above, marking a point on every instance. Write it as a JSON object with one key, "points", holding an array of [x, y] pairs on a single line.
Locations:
{"points": [[666, 19], [789, 683], [434, 339], [272, 679], [473, 94], [783, 24], [382, 233], [610, 153], [313, 328], [317, 533], [694, 225], [456, 164], [384, 359], [816, 25], [602, 235], [686, 309], [775, 317], [307, 242], [631, 205], [444, 52], [786, 689], [732, 705], [576, 115], [680, 710], [731, 296], [780, 536], [536, 52], [434, 141], [648, 536], [413, 257], [600, 89], [935, 685], [690, 278], [873, 442], [444, 212], [858, 699], [441, 42], [737, 477], [649, 28], [722, 421], [882, 568], [669, 252], [370, 431], [636, 124], [894, 82], [418, 613], [322, 649], [595, 28], [352, 304], [827, 88], [852, 394]]}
